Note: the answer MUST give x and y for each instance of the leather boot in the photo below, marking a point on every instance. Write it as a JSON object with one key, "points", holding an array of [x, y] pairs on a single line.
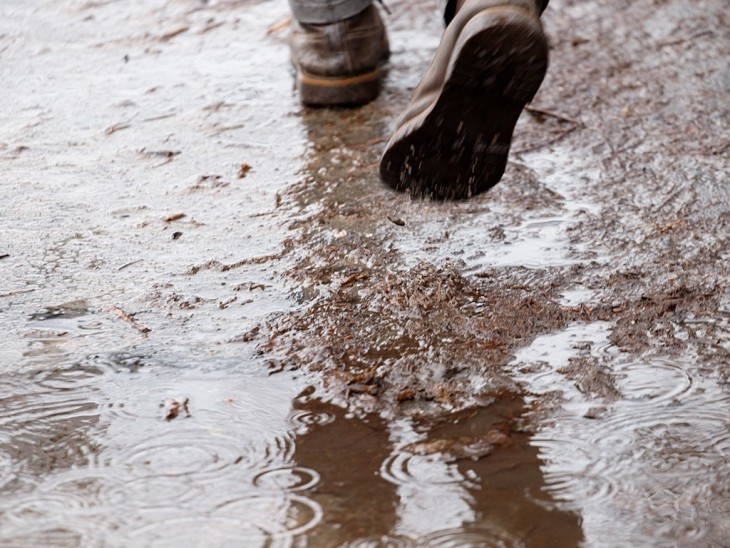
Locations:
{"points": [[453, 139], [338, 63]]}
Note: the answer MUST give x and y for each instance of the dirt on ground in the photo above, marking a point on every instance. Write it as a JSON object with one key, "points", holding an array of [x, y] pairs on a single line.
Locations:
{"points": [[645, 110], [204, 280]]}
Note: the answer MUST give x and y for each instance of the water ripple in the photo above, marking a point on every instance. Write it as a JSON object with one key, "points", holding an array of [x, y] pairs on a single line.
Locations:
{"points": [[34, 411], [68, 378], [7, 474], [277, 516], [151, 493], [291, 479], [48, 536], [476, 537], [302, 420], [45, 430], [42, 505], [704, 422], [186, 453], [86, 483], [653, 382], [405, 468], [238, 522], [385, 541]]}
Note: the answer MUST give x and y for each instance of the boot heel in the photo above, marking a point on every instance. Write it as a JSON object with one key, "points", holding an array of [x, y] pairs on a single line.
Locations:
{"points": [[527, 80], [352, 90]]}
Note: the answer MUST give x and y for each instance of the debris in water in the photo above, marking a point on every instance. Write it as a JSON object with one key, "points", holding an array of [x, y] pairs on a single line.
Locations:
{"points": [[210, 26], [129, 319], [243, 170], [174, 407], [541, 112], [126, 265], [276, 27], [174, 217], [462, 448], [396, 220], [163, 153], [225, 304], [171, 34], [362, 388], [595, 412], [116, 127]]}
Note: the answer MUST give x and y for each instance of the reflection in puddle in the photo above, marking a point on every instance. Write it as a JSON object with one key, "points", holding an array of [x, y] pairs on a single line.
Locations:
{"points": [[375, 491], [89, 459], [657, 447]]}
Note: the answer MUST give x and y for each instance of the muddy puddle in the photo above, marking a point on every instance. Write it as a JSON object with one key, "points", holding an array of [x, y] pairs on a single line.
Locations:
{"points": [[218, 328]]}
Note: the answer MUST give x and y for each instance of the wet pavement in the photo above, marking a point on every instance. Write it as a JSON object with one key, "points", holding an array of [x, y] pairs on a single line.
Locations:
{"points": [[221, 330]]}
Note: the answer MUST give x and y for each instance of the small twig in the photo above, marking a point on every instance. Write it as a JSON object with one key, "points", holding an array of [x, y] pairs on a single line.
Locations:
{"points": [[211, 26], [169, 155], [220, 267], [162, 153], [160, 117], [116, 127], [353, 278], [174, 217], [129, 264], [16, 292], [555, 139], [670, 198], [665, 43], [223, 129], [129, 319], [276, 27], [551, 114], [169, 35]]}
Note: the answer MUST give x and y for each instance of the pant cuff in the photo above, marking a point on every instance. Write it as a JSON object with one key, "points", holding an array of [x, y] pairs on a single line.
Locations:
{"points": [[320, 12]]}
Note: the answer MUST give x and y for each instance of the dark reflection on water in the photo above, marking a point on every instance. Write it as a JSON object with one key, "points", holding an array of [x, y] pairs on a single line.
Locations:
{"points": [[375, 491], [357, 502], [87, 458]]}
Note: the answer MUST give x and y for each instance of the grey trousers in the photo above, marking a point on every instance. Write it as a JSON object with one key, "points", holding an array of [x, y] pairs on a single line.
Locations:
{"points": [[317, 12]]}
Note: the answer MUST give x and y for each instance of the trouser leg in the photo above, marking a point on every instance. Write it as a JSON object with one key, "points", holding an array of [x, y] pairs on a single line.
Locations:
{"points": [[450, 7], [320, 12], [337, 47]]}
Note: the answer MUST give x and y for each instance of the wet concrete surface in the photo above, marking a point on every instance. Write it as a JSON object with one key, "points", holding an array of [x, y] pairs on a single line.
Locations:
{"points": [[220, 329]]}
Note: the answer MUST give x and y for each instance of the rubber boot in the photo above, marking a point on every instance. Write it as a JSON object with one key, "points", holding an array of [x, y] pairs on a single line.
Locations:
{"points": [[338, 63], [453, 139]]}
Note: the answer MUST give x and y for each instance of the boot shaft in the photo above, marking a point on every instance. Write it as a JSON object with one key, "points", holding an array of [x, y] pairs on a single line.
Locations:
{"points": [[344, 48]]}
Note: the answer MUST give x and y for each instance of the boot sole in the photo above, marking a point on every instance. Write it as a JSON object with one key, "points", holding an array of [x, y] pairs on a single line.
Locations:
{"points": [[458, 146], [334, 91]]}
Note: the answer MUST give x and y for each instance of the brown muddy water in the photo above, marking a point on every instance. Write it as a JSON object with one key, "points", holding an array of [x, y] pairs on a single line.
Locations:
{"points": [[218, 329]]}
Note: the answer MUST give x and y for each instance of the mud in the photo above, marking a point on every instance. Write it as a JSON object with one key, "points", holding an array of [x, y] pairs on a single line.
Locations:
{"points": [[220, 328]]}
